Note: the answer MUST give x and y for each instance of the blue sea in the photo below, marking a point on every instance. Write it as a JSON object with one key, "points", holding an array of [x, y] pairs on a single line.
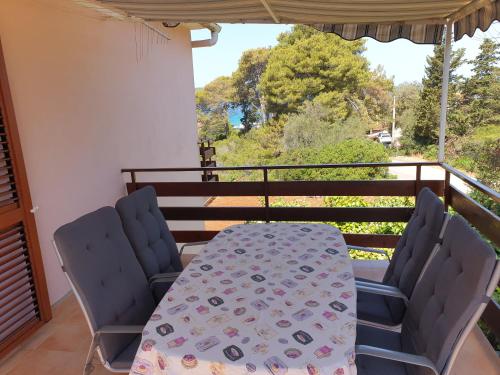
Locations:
{"points": [[235, 115]]}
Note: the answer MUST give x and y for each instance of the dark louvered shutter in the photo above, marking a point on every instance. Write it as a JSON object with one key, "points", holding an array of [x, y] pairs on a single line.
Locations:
{"points": [[8, 194], [24, 304]]}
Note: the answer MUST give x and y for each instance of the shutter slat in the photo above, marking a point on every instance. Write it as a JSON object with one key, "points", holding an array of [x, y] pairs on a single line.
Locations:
{"points": [[25, 289], [13, 310], [13, 280], [17, 321], [13, 267]]}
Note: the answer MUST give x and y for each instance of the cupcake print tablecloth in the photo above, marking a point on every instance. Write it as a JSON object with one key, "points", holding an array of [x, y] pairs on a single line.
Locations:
{"points": [[270, 299]]}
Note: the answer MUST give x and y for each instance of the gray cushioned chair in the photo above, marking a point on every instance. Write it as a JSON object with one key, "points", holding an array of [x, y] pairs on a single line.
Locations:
{"points": [[445, 305], [148, 233], [109, 284], [421, 235]]}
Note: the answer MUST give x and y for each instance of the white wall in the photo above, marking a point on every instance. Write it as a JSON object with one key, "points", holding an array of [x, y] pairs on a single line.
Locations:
{"points": [[90, 99]]}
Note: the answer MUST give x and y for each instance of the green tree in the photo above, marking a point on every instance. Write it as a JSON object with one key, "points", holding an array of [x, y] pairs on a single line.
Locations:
{"points": [[482, 90], [308, 65], [426, 128], [212, 126], [376, 97], [246, 79], [216, 96], [407, 94], [212, 103]]}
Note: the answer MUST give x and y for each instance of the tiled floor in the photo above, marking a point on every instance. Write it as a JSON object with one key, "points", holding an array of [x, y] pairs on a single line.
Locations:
{"points": [[60, 347]]}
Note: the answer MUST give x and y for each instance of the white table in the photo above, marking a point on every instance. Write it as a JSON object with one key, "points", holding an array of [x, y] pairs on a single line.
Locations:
{"points": [[259, 299]]}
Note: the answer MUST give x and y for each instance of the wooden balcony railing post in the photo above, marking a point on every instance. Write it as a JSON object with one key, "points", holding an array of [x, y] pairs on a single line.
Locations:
{"points": [[418, 175], [447, 192], [133, 186], [266, 193]]}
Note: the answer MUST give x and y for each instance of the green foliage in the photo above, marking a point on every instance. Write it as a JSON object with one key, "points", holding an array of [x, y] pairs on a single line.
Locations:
{"points": [[260, 146], [488, 172], [482, 90], [308, 65], [213, 126], [407, 96], [212, 103], [311, 127], [345, 152], [376, 99], [369, 227], [359, 228], [375, 227], [216, 96], [246, 79], [426, 128], [486, 133], [473, 130]]}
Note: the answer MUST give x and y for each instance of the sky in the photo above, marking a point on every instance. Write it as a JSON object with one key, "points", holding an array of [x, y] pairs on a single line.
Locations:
{"points": [[402, 59]]}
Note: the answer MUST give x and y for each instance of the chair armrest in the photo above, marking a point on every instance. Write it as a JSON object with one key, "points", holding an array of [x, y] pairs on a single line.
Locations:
{"points": [[373, 284], [369, 250], [393, 355], [192, 244], [156, 282], [165, 276], [109, 329], [385, 290]]}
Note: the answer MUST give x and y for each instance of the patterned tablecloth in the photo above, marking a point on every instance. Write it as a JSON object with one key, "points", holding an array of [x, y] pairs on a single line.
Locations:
{"points": [[259, 299]]}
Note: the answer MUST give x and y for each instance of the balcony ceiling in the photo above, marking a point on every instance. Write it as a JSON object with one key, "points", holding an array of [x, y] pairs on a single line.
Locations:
{"points": [[418, 20]]}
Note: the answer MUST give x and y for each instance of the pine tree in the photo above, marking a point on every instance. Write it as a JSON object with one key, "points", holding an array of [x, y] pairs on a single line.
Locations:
{"points": [[426, 129], [308, 65], [246, 78], [482, 90]]}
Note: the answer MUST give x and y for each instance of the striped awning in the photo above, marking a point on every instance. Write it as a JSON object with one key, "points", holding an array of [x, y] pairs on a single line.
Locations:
{"points": [[421, 21], [481, 19], [418, 33]]}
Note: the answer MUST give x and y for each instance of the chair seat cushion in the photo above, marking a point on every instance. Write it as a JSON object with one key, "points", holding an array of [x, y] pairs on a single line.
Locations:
{"points": [[366, 335], [124, 360], [371, 336], [373, 308]]}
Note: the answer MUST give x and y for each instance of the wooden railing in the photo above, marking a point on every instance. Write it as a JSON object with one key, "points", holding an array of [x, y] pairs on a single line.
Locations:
{"points": [[207, 152], [484, 220], [267, 189]]}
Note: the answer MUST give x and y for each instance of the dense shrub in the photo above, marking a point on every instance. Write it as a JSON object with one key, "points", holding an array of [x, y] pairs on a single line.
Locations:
{"points": [[345, 152], [369, 227], [314, 126]]}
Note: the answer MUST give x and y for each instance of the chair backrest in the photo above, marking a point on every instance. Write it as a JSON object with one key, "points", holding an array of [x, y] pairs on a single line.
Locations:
{"points": [[452, 289], [105, 275], [414, 248], [148, 232]]}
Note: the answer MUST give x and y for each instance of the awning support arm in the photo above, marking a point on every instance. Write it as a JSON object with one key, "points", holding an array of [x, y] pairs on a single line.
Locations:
{"points": [[444, 91], [270, 11]]}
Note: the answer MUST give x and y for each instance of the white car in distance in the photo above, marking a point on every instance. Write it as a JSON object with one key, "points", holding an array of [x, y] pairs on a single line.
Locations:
{"points": [[385, 138]]}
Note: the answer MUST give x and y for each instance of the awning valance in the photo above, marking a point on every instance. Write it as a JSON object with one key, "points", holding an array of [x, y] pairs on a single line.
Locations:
{"points": [[420, 21], [417, 33]]}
